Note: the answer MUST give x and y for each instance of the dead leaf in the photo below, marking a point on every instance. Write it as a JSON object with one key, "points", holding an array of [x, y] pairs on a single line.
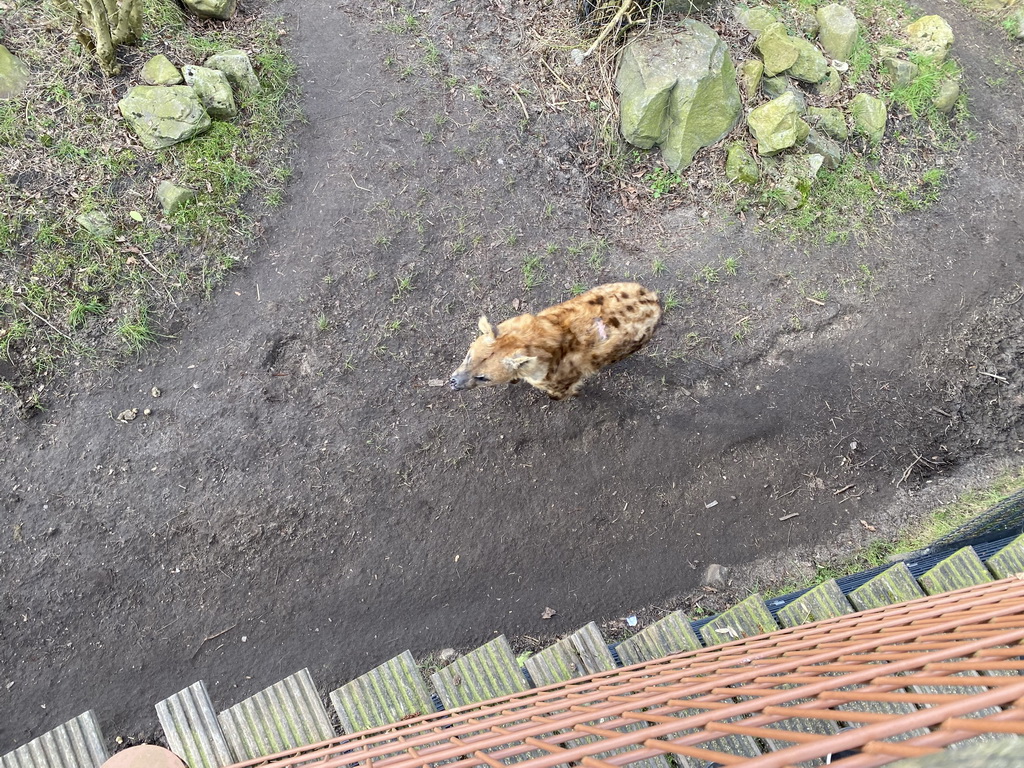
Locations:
{"points": [[548, 613]]}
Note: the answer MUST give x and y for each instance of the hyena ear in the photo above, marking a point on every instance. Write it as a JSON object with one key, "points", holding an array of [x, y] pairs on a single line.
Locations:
{"points": [[485, 326], [518, 361]]}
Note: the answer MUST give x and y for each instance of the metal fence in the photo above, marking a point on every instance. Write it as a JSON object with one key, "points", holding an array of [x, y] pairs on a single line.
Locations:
{"points": [[910, 678], [1004, 519]]}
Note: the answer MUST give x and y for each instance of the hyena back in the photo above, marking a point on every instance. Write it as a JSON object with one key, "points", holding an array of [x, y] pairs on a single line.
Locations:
{"points": [[559, 347]]}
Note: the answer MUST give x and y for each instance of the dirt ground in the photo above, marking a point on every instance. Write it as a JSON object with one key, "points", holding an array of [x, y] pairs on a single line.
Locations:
{"points": [[303, 494]]}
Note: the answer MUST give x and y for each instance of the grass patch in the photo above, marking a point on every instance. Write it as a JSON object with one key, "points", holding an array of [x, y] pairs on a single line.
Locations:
{"points": [[66, 153]]}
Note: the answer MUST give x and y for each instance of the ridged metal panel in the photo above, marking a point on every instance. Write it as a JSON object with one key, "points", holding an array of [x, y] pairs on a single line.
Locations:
{"points": [[389, 693], [192, 730], [1008, 560], [286, 715], [485, 673], [583, 652], [894, 585], [747, 619], [77, 743], [825, 601], [666, 636], [961, 569]]}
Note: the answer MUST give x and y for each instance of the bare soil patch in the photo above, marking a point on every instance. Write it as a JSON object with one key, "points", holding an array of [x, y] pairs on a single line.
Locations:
{"points": [[301, 483]]}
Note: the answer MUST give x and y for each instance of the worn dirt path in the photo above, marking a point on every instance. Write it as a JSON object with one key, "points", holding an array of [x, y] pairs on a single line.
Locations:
{"points": [[304, 495]]}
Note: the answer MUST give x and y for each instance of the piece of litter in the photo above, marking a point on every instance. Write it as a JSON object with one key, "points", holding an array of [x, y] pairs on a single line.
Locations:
{"points": [[728, 631], [790, 515], [435, 383], [631, 621], [711, 504]]}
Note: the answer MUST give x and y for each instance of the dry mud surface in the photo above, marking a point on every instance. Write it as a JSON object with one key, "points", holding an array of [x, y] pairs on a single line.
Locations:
{"points": [[301, 495]]}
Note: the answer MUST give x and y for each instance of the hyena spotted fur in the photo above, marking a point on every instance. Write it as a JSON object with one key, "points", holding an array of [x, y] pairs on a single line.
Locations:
{"points": [[559, 347]]}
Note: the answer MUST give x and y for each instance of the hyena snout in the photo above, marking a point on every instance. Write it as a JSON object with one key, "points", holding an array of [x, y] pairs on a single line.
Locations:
{"points": [[460, 380]]}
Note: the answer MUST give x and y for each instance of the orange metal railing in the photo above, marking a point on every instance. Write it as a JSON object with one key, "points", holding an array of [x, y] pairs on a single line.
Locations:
{"points": [[911, 678]]}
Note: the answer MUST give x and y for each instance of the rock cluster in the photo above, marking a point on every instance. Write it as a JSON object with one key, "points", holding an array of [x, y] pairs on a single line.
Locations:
{"points": [[680, 91], [164, 112]]}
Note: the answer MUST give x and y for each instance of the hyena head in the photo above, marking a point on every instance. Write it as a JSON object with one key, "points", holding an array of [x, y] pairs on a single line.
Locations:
{"points": [[493, 360]]}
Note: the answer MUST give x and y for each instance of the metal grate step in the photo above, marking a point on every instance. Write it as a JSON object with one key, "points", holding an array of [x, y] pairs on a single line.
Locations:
{"points": [[286, 715], [668, 635], [389, 693], [192, 729], [77, 743], [583, 652], [486, 673]]}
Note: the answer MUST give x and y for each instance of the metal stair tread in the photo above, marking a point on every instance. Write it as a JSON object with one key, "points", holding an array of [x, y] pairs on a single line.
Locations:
{"points": [[893, 585], [78, 743], [193, 732], [583, 652], [389, 693], [825, 601], [286, 715], [485, 673], [746, 619], [668, 635], [961, 569]]}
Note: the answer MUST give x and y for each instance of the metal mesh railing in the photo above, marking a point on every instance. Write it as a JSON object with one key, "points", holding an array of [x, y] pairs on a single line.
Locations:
{"points": [[1004, 519], [911, 678]]}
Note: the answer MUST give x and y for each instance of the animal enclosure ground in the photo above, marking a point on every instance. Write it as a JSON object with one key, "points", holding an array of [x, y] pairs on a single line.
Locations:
{"points": [[303, 494]]}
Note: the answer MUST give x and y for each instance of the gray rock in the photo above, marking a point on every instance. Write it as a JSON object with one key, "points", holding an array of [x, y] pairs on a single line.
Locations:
{"points": [[776, 49], [810, 65], [213, 89], [830, 121], [828, 149], [777, 125], [1016, 23], [237, 66], [947, 96], [716, 576], [869, 115], [160, 71], [930, 36], [212, 9], [448, 655], [830, 85], [798, 174], [740, 164], [837, 31], [749, 73], [903, 73], [774, 87], [97, 224], [171, 198], [14, 74], [754, 20], [163, 115], [678, 91]]}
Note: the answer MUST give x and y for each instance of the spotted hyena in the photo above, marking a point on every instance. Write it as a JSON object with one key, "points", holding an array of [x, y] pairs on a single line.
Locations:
{"points": [[557, 349]]}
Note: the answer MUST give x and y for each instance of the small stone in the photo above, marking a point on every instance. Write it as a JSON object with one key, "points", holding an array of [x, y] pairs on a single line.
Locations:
{"points": [[147, 412], [774, 87], [947, 97], [777, 124], [740, 164], [435, 383], [14, 74], [237, 67], [776, 49], [97, 224], [810, 65], [869, 115], [903, 73], [160, 71], [213, 89], [837, 31], [715, 576], [448, 655], [750, 72], [755, 20], [128, 414], [829, 121], [163, 115], [830, 85], [931, 36], [155, 392], [212, 9], [172, 197], [829, 150]]}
